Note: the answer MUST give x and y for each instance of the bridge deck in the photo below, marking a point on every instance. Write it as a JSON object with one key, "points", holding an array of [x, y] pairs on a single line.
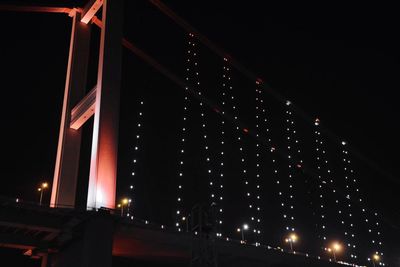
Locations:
{"points": [[42, 229]]}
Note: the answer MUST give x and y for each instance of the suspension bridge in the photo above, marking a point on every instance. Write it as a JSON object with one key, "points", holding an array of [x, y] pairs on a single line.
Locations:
{"points": [[254, 181]]}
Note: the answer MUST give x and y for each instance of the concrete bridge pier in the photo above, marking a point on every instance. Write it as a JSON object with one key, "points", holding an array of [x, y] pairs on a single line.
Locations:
{"points": [[92, 249]]}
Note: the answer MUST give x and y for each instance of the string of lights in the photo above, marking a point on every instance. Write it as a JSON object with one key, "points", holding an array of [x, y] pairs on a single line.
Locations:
{"points": [[180, 213], [294, 161], [321, 167], [243, 163], [372, 224], [139, 131], [214, 198], [263, 120], [222, 142], [260, 120], [326, 185], [350, 233]]}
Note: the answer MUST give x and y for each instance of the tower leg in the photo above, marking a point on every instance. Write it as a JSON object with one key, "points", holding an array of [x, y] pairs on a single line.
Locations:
{"points": [[103, 165], [67, 160]]}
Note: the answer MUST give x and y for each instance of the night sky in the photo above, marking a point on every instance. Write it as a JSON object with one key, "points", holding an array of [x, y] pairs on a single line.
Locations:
{"points": [[339, 63]]}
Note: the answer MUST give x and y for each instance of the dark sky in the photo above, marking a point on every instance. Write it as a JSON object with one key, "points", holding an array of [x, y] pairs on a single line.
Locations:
{"points": [[339, 63]]}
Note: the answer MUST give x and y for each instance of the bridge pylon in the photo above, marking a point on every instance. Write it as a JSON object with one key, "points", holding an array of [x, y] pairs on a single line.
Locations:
{"points": [[102, 102]]}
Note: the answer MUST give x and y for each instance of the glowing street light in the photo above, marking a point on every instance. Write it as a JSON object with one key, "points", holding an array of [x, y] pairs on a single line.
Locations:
{"points": [[121, 205], [42, 187], [244, 227], [335, 248], [375, 259], [292, 238], [129, 207]]}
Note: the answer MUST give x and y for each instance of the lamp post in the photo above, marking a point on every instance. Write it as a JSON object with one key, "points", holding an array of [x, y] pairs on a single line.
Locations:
{"points": [[335, 248], [42, 187], [241, 230], [375, 259], [124, 202], [121, 205], [129, 207], [292, 238]]}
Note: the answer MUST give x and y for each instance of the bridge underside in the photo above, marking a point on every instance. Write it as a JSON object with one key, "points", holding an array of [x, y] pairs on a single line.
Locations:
{"points": [[140, 244], [40, 231]]}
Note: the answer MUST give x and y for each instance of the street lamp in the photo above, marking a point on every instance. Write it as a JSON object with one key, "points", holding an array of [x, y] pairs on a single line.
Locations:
{"points": [[42, 187], [129, 206], [121, 205], [335, 248], [375, 259], [244, 227], [292, 238]]}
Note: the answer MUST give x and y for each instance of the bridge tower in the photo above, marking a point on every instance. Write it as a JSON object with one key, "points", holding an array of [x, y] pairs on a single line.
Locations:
{"points": [[102, 102]]}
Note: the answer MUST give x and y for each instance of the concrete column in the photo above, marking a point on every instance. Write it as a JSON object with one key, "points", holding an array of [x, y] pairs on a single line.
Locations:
{"points": [[103, 165], [92, 249], [67, 161]]}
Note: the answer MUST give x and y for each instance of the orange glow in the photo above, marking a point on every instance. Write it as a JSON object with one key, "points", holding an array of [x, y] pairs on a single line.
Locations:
{"points": [[337, 247], [293, 237], [376, 257]]}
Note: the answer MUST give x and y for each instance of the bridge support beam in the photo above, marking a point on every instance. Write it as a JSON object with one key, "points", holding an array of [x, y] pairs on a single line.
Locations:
{"points": [[103, 165], [84, 110], [93, 249], [67, 161]]}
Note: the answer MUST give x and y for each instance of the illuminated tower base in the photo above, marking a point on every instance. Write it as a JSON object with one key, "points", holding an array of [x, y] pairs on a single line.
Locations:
{"points": [[102, 102]]}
